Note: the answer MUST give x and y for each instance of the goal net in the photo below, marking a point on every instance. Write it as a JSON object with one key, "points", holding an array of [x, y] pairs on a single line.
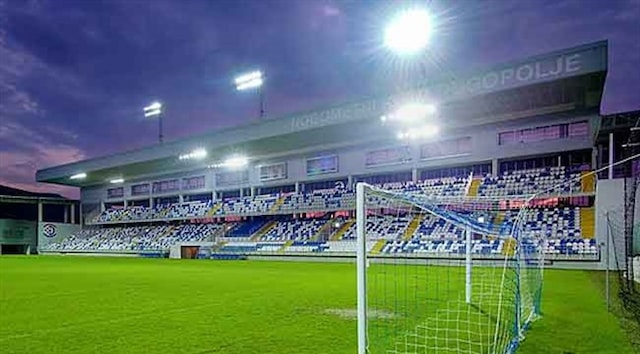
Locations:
{"points": [[444, 274]]}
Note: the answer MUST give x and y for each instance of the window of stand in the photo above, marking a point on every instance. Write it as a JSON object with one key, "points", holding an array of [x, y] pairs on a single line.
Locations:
{"points": [[319, 185], [458, 171], [386, 178], [289, 188], [544, 133]]}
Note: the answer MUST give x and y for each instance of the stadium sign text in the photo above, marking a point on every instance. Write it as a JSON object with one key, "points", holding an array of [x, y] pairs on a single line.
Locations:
{"points": [[553, 67]]}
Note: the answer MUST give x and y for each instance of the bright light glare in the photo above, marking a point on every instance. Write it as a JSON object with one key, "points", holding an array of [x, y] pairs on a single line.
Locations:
{"points": [[408, 32], [426, 131], [195, 154], [337, 225], [235, 162], [481, 219], [153, 109], [412, 112], [117, 180], [249, 85], [248, 81], [248, 77], [79, 176]]}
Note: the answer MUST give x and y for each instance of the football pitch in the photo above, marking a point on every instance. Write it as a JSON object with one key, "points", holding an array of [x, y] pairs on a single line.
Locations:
{"points": [[70, 304]]}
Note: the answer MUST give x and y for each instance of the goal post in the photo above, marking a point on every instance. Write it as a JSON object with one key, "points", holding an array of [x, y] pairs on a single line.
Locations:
{"points": [[444, 274]]}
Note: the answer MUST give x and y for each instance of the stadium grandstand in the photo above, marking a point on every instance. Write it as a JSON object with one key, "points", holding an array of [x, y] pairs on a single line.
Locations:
{"points": [[24, 215], [284, 186]]}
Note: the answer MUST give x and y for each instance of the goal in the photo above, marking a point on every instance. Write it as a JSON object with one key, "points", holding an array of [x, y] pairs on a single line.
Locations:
{"points": [[444, 274]]}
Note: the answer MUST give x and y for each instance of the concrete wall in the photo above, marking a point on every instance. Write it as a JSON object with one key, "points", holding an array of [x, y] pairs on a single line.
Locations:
{"points": [[50, 232], [609, 215], [18, 232]]}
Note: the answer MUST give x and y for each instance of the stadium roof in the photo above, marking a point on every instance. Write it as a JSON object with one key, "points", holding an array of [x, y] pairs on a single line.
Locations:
{"points": [[15, 195], [342, 125]]}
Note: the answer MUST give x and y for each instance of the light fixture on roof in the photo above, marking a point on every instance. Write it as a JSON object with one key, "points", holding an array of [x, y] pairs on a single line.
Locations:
{"points": [[81, 175], [196, 154], [412, 112], [235, 162], [117, 180], [422, 132]]}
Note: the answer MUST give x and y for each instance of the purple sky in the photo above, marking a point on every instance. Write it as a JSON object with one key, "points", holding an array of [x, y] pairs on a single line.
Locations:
{"points": [[74, 74]]}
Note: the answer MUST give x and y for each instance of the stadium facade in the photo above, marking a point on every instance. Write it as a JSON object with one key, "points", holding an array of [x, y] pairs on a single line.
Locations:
{"points": [[536, 115]]}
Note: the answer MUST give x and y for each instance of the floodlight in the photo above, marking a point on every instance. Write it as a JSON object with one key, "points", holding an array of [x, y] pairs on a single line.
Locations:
{"points": [[481, 219], [235, 162], [81, 175], [254, 75], [409, 31], [152, 110], [249, 85], [425, 131], [117, 180], [412, 112], [248, 81], [196, 154]]}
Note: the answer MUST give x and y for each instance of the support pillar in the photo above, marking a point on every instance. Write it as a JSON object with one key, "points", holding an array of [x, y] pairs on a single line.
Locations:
{"points": [[40, 211], [414, 175], [73, 213], [66, 214], [495, 167], [253, 191], [350, 182], [611, 156], [81, 215], [468, 267]]}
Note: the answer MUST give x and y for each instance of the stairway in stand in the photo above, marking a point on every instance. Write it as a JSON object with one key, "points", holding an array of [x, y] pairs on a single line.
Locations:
{"points": [[475, 186], [411, 229], [342, 230], [587, 222], [263, 230]]}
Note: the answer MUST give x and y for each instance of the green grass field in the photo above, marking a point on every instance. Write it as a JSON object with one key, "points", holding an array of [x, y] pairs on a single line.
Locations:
{"points": [[114, 305]]}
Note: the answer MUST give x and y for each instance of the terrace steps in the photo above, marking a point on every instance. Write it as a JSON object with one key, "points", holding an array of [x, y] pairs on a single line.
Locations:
{"points": [[263, 230], [342, 230], [411, 229], [276, 206], [588, 182], [323, 230], [377, 248], [285, 246], [475, 187], [587, 222], [214, 209]]}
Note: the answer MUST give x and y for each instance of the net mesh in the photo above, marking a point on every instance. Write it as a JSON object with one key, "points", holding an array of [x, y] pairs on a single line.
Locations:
{"points": [[426, 294]]}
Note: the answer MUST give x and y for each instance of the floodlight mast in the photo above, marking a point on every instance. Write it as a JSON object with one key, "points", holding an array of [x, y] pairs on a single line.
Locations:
{"points": [[252, 80], [155, 109]]}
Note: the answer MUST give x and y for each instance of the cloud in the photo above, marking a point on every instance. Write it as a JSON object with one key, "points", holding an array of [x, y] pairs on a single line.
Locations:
{"points": [[28, 141], [331, 11]]}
